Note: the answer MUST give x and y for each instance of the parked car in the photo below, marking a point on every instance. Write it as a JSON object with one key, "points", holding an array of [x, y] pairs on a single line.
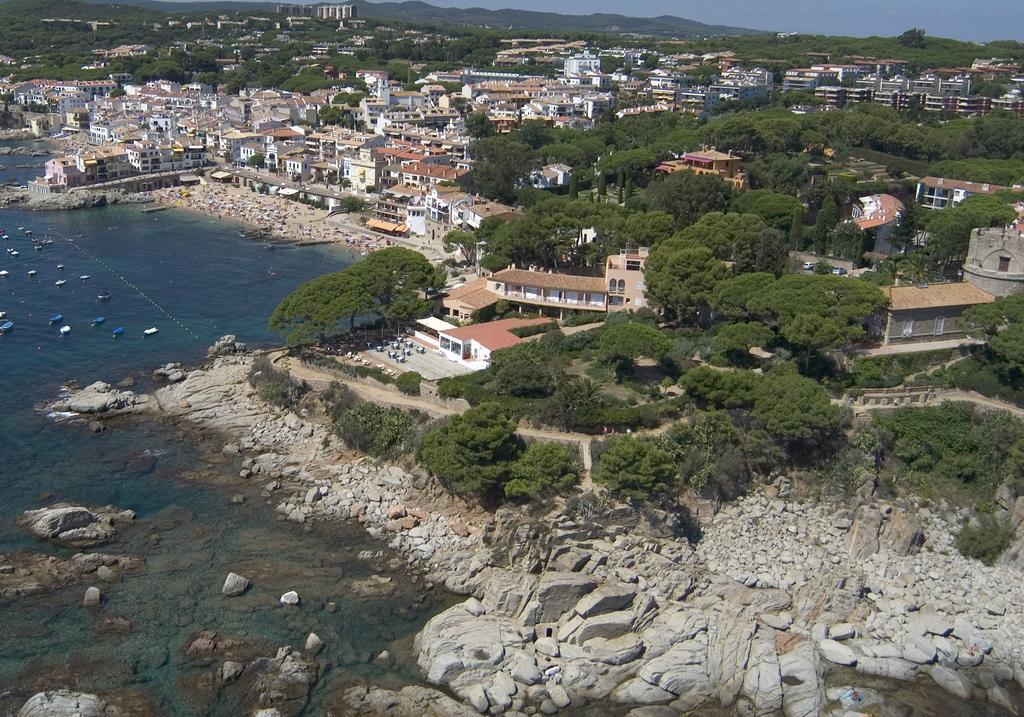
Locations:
{"points": [[839, 271], [808, 266]]}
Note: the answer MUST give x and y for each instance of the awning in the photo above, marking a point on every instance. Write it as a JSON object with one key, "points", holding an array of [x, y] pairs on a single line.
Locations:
{"points": [[220, 174], [434, 323], [383, 226], [189, 179], [288, 192]]}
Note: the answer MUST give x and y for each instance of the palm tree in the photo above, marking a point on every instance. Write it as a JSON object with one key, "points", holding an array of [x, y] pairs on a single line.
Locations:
{"points": [[917, 267]]}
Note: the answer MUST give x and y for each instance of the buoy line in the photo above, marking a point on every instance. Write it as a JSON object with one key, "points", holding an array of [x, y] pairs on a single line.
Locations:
{"points": [[135, 288]]}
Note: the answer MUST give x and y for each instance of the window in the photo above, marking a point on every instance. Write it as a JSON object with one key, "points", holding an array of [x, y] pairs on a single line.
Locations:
{"points": [[1004, 263], [622, 284], [940, 325], [908, 329]]}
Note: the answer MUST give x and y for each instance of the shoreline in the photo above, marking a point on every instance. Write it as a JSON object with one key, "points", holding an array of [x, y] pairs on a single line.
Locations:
{"points": [[276, 219], [657, 620]]}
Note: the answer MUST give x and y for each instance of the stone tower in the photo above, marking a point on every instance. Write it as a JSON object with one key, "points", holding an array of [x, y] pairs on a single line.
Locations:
{"points": [[995, 260]]}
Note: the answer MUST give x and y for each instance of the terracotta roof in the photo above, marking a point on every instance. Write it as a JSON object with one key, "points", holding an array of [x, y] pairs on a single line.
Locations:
{"points": [[473, 294], [494, 335], [934, 296], [544, 280]]}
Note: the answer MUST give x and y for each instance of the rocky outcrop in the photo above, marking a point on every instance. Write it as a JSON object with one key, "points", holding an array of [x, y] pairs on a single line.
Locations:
{"points": [[412, 701], [226, 346], [100, 398], [76, 525], [755, 617], [65, 703], [14, 196], [25, 574]]}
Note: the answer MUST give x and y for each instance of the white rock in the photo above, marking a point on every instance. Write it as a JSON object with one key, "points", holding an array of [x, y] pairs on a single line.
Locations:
{"points": [[952, 681], [93, 597], [234, 585], [837, 652], [314, 644], [290, 598]]}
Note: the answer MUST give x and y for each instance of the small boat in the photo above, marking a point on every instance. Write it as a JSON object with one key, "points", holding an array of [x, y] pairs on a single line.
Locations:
{"points": [[59, 282], [65, 330], [32, 272], [6, 237], [6, 326], [103, 296], [98, 320], [4, 272], [28, 232], [119, 331], [39, 247], [85, 277], [3, 315], [151, 330], [21, 229], [56, 318], [60, 267], [15, 253]]}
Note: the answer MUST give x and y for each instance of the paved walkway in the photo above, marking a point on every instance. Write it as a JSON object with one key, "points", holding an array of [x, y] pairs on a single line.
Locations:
{"points": [[919, 346]]}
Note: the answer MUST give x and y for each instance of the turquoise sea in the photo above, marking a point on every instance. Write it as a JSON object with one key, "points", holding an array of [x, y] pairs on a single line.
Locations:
{"points": [[195, 280]]}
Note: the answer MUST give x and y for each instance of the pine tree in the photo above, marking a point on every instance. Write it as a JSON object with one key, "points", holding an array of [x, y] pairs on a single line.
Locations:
{"points": [[574, 186], [828, 217], [629, 189], [796, 229], [620, 182], [602, 185]]}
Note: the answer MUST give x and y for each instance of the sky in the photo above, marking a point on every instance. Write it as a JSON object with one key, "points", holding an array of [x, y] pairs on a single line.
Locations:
{"points": [[978, 20]]}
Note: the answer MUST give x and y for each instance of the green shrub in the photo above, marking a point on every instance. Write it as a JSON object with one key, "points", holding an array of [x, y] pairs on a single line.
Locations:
{"points": [[542, 469], [720, 389], [376, 430], [984, 541], [525, 331], [409, 383], [635, 467], [275, 387]]}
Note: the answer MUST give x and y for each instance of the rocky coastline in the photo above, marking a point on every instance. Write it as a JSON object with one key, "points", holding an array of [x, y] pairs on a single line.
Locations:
{"points": [[786, 605], [16, 197]]}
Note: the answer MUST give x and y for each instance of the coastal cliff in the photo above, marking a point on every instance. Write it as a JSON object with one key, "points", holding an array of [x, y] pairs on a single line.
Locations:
{"points": [[783, 605]]}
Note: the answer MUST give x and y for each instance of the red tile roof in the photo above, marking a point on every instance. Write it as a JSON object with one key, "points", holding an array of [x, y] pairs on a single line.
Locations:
{"points": [[494, 335]]}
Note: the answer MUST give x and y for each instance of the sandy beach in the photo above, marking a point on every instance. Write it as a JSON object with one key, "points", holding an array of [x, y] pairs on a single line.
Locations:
{"points": [[279, 218]]}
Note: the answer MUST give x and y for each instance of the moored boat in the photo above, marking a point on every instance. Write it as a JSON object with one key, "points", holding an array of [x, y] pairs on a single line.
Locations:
{"points": [[32, 272], [65, 330], [119, 331], [85, 277], [98, 320], [56, 318], [60, 267], [4, 272], [103, 296], [59, 282], [151, 330], [6, 326]]}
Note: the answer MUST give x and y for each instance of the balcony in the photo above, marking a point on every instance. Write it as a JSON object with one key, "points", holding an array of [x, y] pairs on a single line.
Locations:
{"points": [[592, 304]]}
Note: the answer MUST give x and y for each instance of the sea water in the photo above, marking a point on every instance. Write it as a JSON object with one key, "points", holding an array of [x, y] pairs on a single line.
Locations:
{"points": [[194, 279]]}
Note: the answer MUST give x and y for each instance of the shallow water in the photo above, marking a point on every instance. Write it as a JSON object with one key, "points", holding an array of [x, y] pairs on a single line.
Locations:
{"points": [[195, 280]]}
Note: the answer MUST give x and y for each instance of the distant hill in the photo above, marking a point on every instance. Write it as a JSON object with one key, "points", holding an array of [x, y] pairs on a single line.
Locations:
{"points": [[414, 11]]}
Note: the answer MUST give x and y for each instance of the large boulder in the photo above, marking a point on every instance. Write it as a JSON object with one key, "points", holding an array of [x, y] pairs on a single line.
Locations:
{"points": [[903, 533], [762, 683], [803, 694], [456, 640], [65, 703], [862, 540], [606, 598], [682, 670], [74, 524], [953, 681], [557, 593], [234, 585]]}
